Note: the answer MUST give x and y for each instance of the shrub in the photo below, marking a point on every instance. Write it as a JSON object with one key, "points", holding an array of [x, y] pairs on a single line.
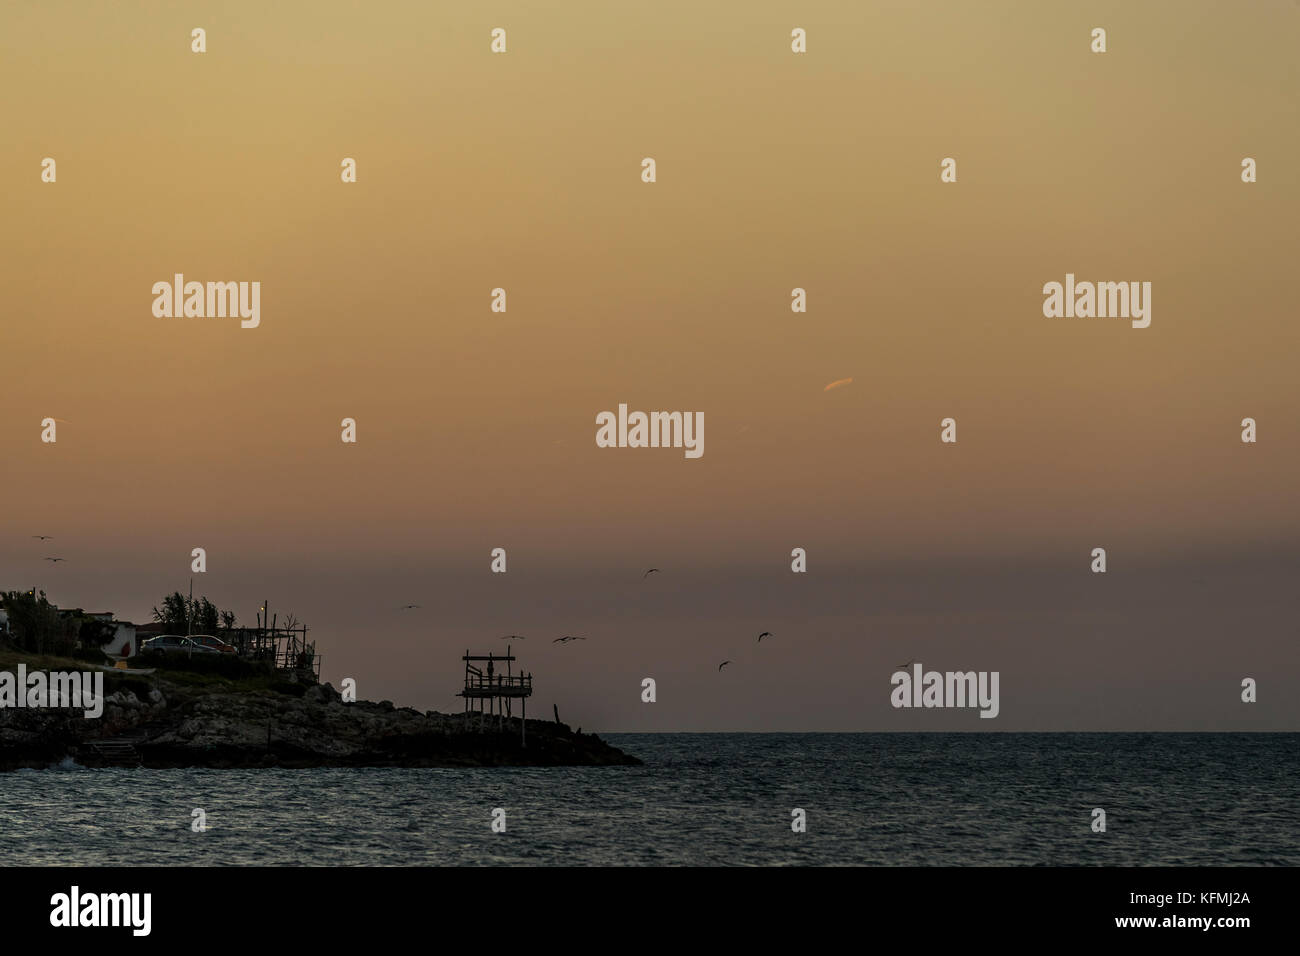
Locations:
{"points": [[92, 655], [225, 665]]}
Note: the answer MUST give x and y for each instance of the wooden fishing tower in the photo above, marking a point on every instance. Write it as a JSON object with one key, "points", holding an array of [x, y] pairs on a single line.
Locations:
{"points": [[494, 691]]}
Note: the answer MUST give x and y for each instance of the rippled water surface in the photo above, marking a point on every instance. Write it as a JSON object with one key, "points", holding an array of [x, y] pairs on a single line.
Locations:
{"points": [[701, 799]]}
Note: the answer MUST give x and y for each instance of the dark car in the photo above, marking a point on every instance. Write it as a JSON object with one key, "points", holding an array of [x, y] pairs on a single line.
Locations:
{"points": [[213, 643]]}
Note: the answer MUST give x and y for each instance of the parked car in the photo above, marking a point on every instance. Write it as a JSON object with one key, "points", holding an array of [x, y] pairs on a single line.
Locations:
{"points": [[216, 643], [174, 644]]}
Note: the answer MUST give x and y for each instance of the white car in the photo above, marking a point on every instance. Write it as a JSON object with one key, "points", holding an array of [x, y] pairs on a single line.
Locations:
{"points": [[173, 644]]}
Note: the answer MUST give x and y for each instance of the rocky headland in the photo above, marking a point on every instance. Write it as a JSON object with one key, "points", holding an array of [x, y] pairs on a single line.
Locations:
{"points": [[174, 719]]}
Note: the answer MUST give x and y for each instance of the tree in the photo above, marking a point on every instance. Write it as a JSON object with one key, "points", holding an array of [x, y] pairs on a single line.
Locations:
{"points": [[228, 620], [174, 616], [35, 625], [180, 615], [205, 615]]}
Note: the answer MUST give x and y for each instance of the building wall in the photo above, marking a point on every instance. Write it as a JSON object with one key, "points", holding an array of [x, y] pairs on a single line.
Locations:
{"points": [[125, 636]]}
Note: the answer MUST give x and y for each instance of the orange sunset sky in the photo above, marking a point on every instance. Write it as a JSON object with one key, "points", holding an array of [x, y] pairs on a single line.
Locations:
{"points": [[476, 429]]}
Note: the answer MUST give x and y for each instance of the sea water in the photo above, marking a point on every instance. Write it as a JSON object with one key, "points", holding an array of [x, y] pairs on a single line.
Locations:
{"points": [[714, 799]]}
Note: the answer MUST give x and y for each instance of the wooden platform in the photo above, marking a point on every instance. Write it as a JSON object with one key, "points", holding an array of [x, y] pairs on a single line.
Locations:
{"points": [[507, 687], [495, 691]]}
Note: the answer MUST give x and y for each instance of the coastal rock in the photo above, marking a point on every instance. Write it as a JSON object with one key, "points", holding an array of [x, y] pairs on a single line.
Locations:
{"points": [[162, 721]]}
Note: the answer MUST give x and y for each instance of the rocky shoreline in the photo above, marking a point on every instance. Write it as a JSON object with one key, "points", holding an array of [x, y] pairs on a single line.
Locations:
{"points": [[159, 721]]}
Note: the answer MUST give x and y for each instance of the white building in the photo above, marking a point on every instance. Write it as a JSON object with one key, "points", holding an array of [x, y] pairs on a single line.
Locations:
{"points": [[122, 643]]}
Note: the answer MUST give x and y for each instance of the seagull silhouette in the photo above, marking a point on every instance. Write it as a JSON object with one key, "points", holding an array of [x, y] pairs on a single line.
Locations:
{"points": [[56, 559], [566, 639], [723, 664], [407, 607], [763, 635], [514, 637], [650, 572], [907, 666], [43, 537]]}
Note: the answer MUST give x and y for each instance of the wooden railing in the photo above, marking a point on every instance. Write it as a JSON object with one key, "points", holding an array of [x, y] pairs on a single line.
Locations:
{"points": [[477, 680]]}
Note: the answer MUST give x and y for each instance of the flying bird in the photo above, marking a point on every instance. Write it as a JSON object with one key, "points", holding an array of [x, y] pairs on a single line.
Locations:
{"points": [[907, 666], [56, 559], [566, 639], [43, 537], [723, 664], [514, 637], [763, 635], [407, 607], [837, 383], [650, 572]]}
